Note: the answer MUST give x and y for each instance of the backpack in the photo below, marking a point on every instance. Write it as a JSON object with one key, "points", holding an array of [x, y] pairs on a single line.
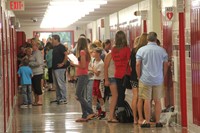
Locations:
{"points": [[125, 116]]}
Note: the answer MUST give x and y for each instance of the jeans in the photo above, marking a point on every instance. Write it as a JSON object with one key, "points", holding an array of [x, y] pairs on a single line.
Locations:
{"points": [[80, 87], [89, 92], [26, 94], [60, 84], [121, 93]]}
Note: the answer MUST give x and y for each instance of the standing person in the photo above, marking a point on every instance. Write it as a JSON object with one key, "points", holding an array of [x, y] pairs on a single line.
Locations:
{"points": [[137, 105], [151, 67], [25, 74], [109, 71], [83, 56], [59, 65], [121, 55], [49, 55], [36, 63], [98, 84]]}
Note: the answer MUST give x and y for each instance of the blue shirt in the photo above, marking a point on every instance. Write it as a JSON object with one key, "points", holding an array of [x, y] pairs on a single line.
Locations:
{"points": [[49, 58], [152, 58], [25, 74]]}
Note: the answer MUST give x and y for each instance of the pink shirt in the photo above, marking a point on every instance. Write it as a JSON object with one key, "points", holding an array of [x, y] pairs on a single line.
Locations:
{"points": [[82, 71]]}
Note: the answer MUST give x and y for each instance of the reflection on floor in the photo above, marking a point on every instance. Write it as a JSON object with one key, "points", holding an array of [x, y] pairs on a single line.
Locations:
{"points": [[53, 118]]}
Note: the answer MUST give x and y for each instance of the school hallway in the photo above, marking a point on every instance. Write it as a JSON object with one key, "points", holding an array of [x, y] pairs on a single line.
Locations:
{"points": [[53, 118]]}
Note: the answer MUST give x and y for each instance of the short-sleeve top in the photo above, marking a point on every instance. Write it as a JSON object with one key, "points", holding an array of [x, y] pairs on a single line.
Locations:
{"points": [[82, 71], [121, 59], [25, 74]]}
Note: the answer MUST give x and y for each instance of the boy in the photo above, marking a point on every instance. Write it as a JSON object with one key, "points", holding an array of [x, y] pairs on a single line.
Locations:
{"points": [[98, 84], [25, 74]]}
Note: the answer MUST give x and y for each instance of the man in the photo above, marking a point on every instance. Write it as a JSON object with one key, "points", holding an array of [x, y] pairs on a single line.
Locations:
{"points": [[151, 67], [59, 64]]}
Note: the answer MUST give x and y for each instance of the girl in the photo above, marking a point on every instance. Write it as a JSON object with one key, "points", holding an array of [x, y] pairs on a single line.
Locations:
{"points": [[82, 76]]}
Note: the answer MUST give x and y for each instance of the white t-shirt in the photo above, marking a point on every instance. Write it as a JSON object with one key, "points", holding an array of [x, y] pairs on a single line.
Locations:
{"points": [[99, 66]]}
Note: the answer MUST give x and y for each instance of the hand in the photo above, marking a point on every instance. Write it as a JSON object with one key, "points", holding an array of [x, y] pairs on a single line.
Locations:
{"points": [[107, 83], [60, 65]]}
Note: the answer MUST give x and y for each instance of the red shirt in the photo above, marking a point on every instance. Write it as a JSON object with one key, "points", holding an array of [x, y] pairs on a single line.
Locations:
{"points": [[121, 59]]}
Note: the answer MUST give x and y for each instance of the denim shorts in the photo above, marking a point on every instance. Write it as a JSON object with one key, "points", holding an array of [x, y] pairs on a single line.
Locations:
{"points": [[112, 80]]}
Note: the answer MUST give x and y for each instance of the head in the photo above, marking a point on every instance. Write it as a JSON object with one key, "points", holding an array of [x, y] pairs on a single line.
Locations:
{"points": [[91, 49], [28, 51], [35, 44], [37, 35], [120, 39], [97, 52], [136, 41], [152, 37], [25, 62], [98, 43], [82, 45], [66, 45], [158, 42], [82, 35], [142, 41], [55, 40], [107, 44]]}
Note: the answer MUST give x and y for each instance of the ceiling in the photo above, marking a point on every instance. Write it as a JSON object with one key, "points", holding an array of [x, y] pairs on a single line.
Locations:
{"points": [[35, 9]]}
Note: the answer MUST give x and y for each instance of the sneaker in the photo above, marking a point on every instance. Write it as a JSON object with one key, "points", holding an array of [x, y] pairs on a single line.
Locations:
{"points": [[30, 106], [102, 115], [23, 106]]}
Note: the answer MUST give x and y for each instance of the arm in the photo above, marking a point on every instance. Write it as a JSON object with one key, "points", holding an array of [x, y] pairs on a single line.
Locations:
{"points": [[64, 60], [38, 60], [82, 63], [138, 68], [165, 68], [106, 65]]}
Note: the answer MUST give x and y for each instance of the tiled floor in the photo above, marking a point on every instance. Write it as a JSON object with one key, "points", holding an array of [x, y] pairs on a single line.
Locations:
{"points": [[53, 118]]}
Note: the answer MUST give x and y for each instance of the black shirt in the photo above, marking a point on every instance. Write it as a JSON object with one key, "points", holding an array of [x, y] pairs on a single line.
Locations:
{"points": [[133, 66], [58, 56]]}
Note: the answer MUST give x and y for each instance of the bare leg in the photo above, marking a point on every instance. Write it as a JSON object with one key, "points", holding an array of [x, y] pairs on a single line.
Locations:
{"points": [[147, 110], [134, 104], [113, 89], [140, 110], [157, 109], [39, 99]]}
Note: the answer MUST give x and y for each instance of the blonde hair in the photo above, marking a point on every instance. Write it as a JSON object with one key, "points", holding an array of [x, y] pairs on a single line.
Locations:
{"points": [[98, 43], [142, 41]]}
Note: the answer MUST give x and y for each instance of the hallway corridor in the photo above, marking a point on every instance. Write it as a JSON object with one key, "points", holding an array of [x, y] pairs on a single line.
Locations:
{"points": [[53, 118]]}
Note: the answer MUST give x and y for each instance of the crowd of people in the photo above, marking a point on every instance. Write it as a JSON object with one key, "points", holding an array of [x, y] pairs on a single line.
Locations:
{"points": [[99, 75]]}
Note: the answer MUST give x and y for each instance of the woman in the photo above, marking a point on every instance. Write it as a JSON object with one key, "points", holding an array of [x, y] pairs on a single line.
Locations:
{"points": [[83, 56], [36, 63], [121, 55], [110, 81], [139, 42]]}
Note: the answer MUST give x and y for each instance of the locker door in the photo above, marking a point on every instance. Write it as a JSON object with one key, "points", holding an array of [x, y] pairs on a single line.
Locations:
{"points": [[167, 44], [195, 62], [1, 81]]}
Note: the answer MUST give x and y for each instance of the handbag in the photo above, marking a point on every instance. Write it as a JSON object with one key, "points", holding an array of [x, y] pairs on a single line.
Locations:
{"points": [[126, 80]]}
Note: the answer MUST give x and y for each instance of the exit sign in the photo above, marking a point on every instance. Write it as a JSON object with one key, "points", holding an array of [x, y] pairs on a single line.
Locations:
{"points": [[15, 5]]}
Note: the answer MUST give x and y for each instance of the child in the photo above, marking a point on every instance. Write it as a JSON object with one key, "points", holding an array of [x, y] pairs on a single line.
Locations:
{"points": [[25, 74], [98, 84]]}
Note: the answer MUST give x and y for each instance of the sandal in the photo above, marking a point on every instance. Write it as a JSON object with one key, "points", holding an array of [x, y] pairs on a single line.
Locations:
{"points": [[145, 125], [81, 120], [113, 121], [159, 124]]}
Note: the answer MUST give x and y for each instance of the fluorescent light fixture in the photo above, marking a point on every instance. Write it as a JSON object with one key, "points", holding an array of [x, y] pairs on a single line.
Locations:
{"points": [[62, 13]]}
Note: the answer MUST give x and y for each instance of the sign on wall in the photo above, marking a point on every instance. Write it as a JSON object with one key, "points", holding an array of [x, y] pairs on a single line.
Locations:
{"points": [[169, 13], [15, 5]]}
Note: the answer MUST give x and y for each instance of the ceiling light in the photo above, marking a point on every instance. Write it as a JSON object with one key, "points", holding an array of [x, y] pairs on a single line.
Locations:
{"points": [[62, 13]]}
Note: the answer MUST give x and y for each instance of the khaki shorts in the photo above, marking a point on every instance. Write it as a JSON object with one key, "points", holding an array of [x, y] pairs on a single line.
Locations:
{"points": [[149, 92]]}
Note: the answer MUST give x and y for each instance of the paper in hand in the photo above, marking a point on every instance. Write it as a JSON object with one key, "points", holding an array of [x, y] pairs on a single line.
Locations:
{"points": [[73, 58]]}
